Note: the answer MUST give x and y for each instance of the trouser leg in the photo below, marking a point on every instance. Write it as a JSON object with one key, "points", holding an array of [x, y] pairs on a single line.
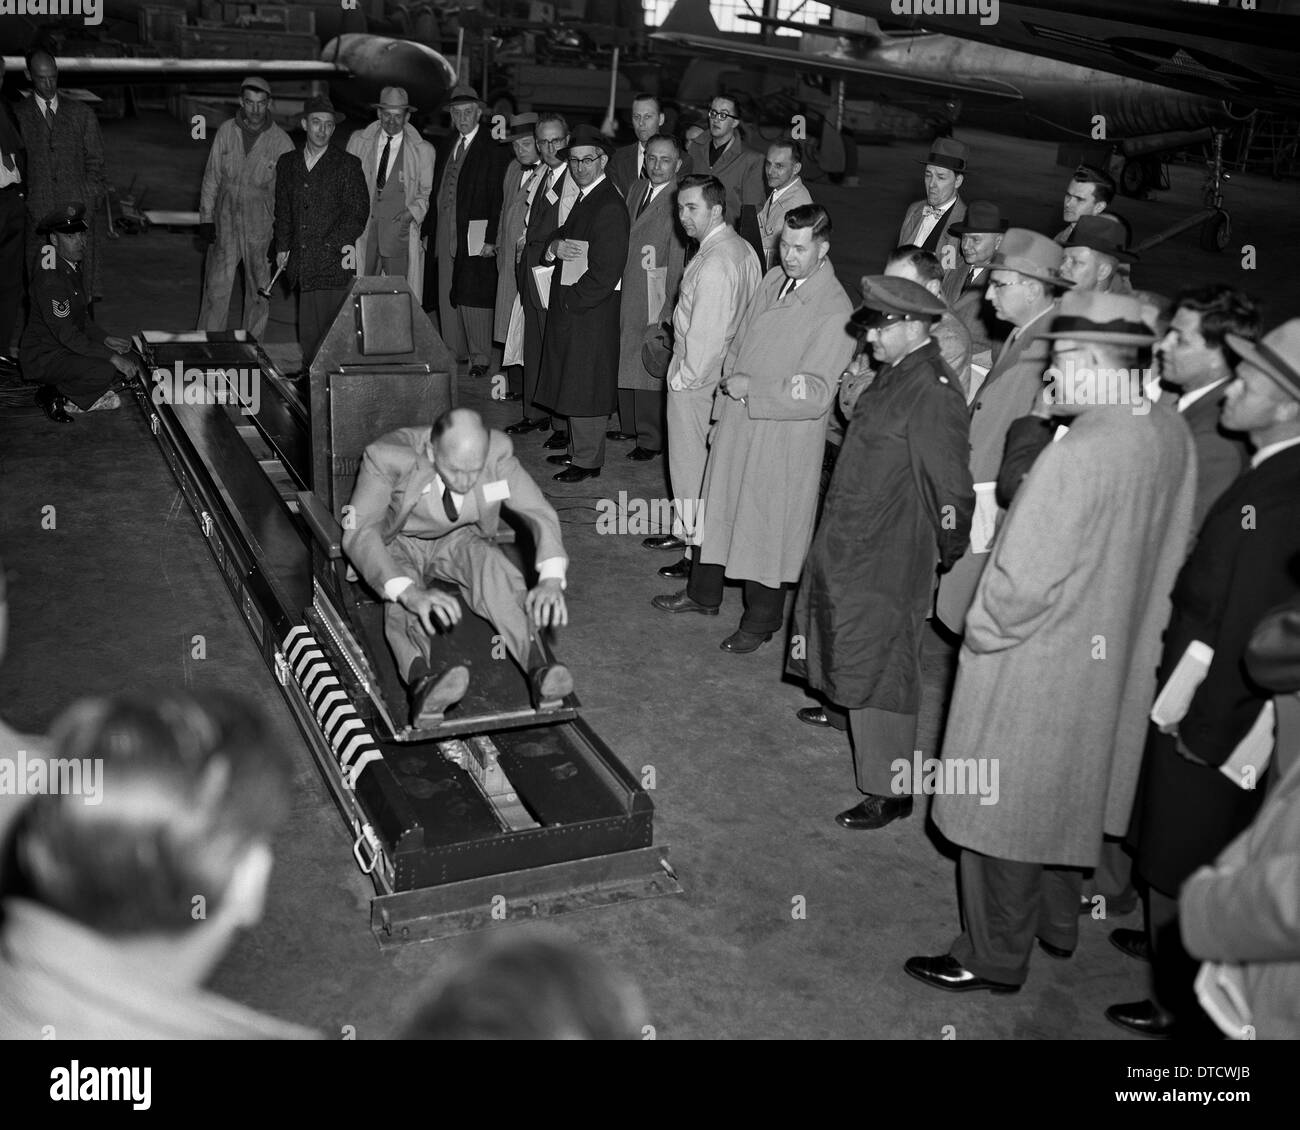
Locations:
{"points": [[688, 447], [764, 608], [1000, 901], [627, 411], [880, 737], [476, 325], [257, 275], [1113, 877], [218, 280], [453, 335], [1058, 906], [317, 310], [705, 583], [587, 441], [648, 412]]}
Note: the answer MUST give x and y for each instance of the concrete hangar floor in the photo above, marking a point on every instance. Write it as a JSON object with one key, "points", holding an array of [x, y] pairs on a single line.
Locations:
{"points": [[745, 794]]}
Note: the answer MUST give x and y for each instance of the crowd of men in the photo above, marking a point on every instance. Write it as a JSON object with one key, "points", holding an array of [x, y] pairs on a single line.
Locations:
{"points": [[1095, 489]]}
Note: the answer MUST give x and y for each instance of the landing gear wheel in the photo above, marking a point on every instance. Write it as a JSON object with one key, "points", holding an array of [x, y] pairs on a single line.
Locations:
{"points": [[1216, 232]]}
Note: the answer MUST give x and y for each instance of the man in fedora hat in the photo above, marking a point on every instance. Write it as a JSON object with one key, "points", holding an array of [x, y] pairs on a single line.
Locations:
{"points": [[1076, 593], [1092, 255], [72, 358], [321, 209], [1089, 193], [522, 176], [580, 350], [1023, 284], [1241, 567], [237, 208], [398, 164], [468, 198], [898, 507], [965, 286], [928, 223]]}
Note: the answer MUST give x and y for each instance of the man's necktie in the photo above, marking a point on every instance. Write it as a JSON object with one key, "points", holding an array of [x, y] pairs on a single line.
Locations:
{"points": [[448, 505], [382, 177], [789, 286], [645, 200], [645, 170], [460, 149]]}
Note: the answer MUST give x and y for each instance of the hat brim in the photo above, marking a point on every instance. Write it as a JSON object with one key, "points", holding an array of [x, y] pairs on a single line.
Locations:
{"points": [[1249, 351], [1042, 275], [337, 116], [945, 163], [381, 106], [1102, 336], [63, 229], [563, 154], [463, 101], [967, 229], [1114, 252]]}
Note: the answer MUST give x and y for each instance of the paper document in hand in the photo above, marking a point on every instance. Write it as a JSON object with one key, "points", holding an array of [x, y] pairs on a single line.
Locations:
{"points": [[574, 269], [1253, 753], [1175, 696], [476, 237], [542, 279], [984, 522]]}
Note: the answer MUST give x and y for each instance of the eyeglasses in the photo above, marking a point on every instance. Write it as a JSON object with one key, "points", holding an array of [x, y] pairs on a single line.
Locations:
{"points": [[551, 142], [722, 114], [583, 162]]}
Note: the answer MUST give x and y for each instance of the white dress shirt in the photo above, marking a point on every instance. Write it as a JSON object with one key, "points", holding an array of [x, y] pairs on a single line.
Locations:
{"points": [[1272, 449], [1189, 398], [928, 223], [394, 152]]}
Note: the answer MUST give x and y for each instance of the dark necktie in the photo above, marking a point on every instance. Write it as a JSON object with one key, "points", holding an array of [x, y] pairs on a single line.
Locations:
{"points": [[645, 169], [460, 149], [789, 286], [382, 177], [645, 201], [448, 505]]}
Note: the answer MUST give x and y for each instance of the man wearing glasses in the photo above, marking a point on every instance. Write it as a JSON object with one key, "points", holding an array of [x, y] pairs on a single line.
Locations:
{"points": [[1023, 285], [580, 350], [722, 153], [1089, 193], [237, 208]]}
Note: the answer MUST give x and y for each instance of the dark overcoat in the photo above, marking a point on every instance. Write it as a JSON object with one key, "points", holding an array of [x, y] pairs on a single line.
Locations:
{"points": [[899, 505], [479, 194], [319, 214], [579, 374]]}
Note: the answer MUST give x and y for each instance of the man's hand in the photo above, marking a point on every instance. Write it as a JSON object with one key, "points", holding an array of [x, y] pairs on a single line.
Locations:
{"points": [[427, 603], [403, 218], [566, 249], [1185, 753], [854, 381], [489, 251], [127, 365], [545, 604], [282, 258], [736, 386], [118, 344]]}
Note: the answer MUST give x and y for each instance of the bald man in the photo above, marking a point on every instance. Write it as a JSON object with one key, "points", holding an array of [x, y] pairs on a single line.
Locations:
{"points": [[426, 508]]}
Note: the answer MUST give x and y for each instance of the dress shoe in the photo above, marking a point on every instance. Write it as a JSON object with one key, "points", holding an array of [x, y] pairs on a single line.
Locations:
{"points": [[524, 426], [1058, 952], [1132, 942], [680, 602], [1111, 907], [875, 812], [678, 570], [1142, 1017], [946, 972], [557, 441], [575, 474], [512, 396], [559, 460], [612, 434], [432, 695], [664, 541], [813, 715], [478, 371], [53, 405], [640, 454], [8, 364], [741, 642], [550, 684]]}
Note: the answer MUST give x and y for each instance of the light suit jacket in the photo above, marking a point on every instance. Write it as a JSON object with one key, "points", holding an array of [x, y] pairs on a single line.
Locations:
{"points": [[771, 217]]}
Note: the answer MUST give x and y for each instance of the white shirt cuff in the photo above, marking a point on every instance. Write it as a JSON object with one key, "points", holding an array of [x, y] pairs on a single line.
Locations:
{"points": [[394, 588], [553, 569]]}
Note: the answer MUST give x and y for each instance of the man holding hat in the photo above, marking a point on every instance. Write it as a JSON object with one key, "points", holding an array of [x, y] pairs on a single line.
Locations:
{"points": [[1057, 669], [71, 357], [237, 208], [522, 176], [468, 198], [1241, 567], [898, 507], [965, 285], [321, 209], [580, 349], [928, 223], [398, 166], [1022, 287]]}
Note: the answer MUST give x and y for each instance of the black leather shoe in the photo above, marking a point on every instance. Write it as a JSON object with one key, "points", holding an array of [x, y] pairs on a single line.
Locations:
{"points": [[1058, 952], [557, 441], [680, 602], [947, 973], [550, 684], [664, 541], [8, 364], [813, 715], [524, 426], [512, 396], [559, 460], [1132, 942], [1142, 1017], [1111, 908], [875, 812], [741, 642], [434, 694], [678, 570], [575, 474], [640, 454], [477, 371], [53, 404], [613, 434]]}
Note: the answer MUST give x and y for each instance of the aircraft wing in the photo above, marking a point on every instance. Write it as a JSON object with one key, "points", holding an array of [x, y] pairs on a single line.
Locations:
{"points": [[100, 68], [888, 79], [1243, 55]]}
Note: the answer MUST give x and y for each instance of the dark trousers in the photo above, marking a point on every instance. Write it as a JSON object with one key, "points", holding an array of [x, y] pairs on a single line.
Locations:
{"points": [[317, 310], [587, 441], [1173, 969], [13, 226], [764, 606], [1005, 905], [534, 329], [1113, 878], [641, 413]]}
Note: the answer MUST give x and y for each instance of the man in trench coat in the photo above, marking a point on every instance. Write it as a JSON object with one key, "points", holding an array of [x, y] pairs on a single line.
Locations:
{"points": [[898, 507], [1057, 671]]}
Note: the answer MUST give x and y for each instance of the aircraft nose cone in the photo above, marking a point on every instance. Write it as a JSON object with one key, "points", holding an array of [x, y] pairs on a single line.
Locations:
{"points": [[378, 61]]}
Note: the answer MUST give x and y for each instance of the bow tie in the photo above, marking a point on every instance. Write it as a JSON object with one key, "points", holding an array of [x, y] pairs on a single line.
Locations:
{"points": [[932, 213]]}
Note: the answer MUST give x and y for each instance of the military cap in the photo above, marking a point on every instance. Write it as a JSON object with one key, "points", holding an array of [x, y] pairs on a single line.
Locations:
{"points": [[256, 82], [521, 125], [68, 219], [1103, 234], [584, 136], [320, 104], [947, 153], [983, 216], [1092, 315], [887, 298], [1278, 354]]}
